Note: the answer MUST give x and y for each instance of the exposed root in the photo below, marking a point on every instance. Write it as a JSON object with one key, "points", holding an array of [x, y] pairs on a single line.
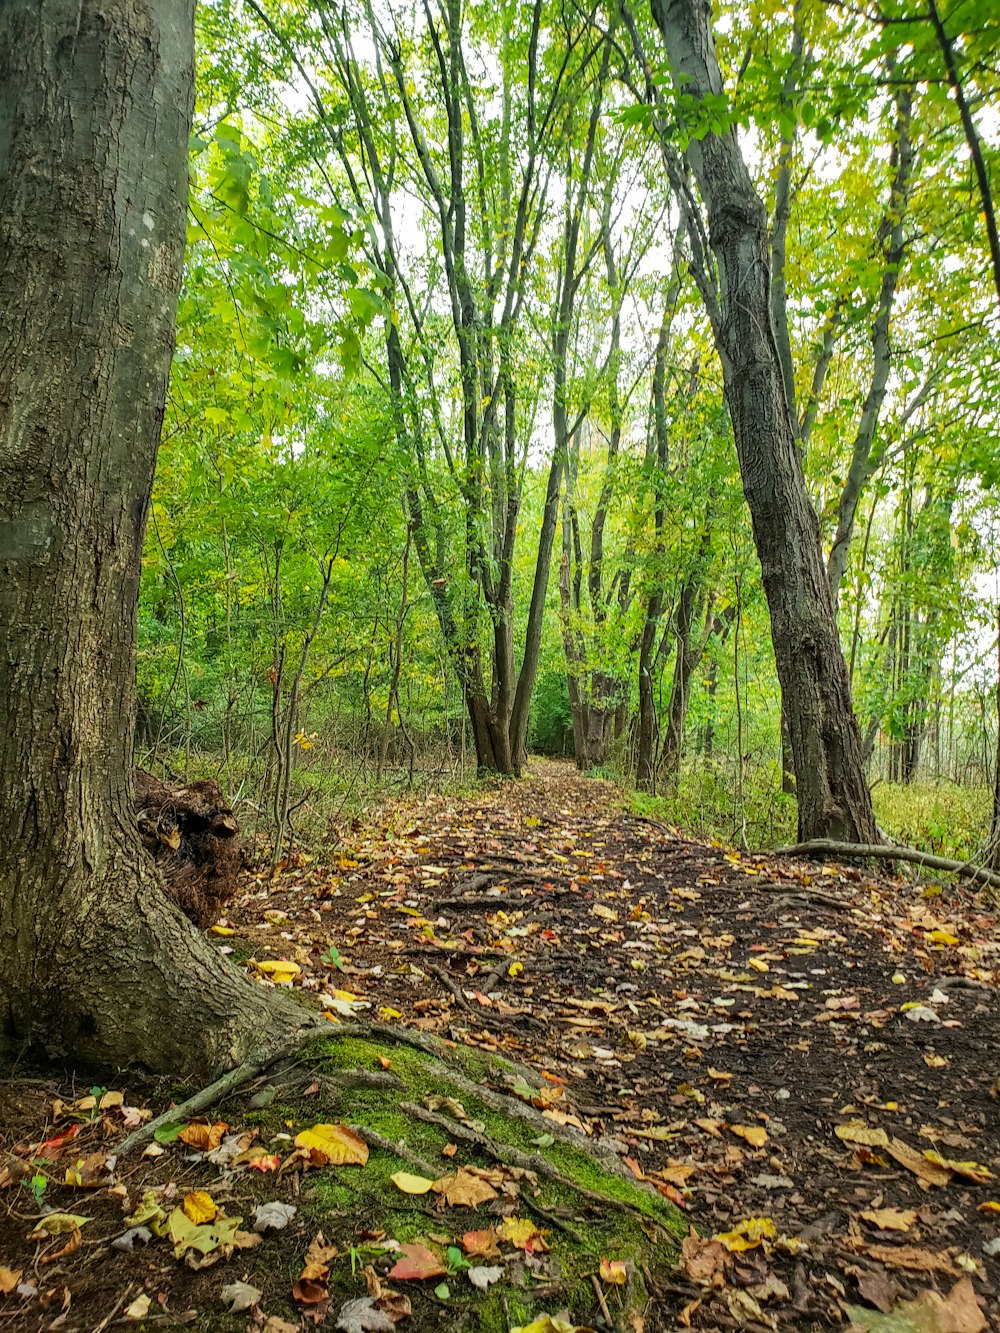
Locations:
{"points": [[864, 851]]}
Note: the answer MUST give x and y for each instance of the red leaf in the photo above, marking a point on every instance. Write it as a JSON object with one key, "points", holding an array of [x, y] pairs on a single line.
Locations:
{"points": [[417, 1262]]}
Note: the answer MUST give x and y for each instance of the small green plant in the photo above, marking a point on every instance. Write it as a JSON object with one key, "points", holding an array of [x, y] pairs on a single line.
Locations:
{"points": [[37, 1185], [332, 958]]}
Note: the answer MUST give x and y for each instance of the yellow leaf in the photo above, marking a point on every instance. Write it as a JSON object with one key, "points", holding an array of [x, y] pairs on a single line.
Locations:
{"points": [[139, 1308], [718, 1075], [385, 1013], [980, 1175], [990, 1206], [523, 1234], [758, 965], [747, 1234], [334, 1144], [605, 913], [613, 1271], [223, 930], [281, 972], [200, 1206], [941, 937], [515, 969], [752, 1134], [9, 1278], [58, 1224], [410, 1184], [856, 1131]]}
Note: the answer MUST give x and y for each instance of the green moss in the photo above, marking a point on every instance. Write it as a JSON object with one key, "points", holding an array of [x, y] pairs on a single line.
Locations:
{"points": [[346, 1203]]}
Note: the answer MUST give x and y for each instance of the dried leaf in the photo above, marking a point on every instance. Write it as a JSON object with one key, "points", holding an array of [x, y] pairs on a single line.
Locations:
{"points": [[857, 1132], [465, 1189], [483, 1244], [918, 1163], [273, 1216], [483, 1277], [752, 1134], [240, 1296], [891, 1219], [9, 1278], [613, 1271], [363, 1316], [202, 1136]]}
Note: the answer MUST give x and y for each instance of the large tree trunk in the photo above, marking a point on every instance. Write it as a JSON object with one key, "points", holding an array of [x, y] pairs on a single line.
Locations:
{"points": [[833, 797], [96, 963]]}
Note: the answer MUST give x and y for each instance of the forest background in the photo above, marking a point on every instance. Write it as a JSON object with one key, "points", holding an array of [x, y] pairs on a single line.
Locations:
{"points": [[447, 471]]}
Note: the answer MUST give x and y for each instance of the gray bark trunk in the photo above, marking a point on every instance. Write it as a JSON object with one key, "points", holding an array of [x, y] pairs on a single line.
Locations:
{"points": [[833, 797], [96, 963]]}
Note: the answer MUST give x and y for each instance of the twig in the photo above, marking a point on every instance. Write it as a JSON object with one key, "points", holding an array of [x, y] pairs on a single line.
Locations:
{"points": [[399, 1149], [453, 988], [508, 1155], [858, 850], [602, 1302]]}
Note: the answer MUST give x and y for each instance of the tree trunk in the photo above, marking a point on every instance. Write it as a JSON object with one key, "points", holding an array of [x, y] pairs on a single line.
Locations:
{"points": [[97, 964], [833, 797]]}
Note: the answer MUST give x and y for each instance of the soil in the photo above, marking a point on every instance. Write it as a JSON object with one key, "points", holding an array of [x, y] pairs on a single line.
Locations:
{"points": [[774, 1045]]}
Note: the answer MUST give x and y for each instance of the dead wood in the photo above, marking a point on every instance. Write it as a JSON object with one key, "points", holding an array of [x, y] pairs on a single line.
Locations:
{"points": [[862, 851], [192, 835]]}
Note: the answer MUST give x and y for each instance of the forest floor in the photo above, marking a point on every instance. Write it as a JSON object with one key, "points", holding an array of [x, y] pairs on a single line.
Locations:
{"points": [[801, 1057]]}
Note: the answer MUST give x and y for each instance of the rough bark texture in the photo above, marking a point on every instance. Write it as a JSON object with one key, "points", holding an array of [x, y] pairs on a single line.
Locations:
{"points": [[833, 797], [96, 964]]}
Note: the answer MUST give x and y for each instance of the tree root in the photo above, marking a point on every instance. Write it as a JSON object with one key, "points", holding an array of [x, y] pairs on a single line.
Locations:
{"points": [[452, 987], [507, 1154], [399, 1149], [857, 850], [229, 1082]]}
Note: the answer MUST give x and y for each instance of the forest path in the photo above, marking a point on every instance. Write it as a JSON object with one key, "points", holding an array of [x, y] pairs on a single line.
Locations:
{"points": [[765, 1039]]}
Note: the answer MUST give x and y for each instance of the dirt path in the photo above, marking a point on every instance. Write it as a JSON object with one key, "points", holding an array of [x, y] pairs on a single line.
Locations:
{"points": [[738, 1024]]}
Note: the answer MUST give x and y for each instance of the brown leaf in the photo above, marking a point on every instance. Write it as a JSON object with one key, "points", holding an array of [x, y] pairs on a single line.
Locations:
{"points": [[912, 1258], [203, 1136], [465, 1190], [9, 1278], [917, 1163]]}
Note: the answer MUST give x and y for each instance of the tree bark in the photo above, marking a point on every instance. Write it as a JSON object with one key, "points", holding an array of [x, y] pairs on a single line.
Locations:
{"points": [[96, 963], [833, 797]]}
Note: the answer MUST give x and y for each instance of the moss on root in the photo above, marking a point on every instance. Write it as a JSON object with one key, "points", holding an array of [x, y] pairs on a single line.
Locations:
{"points": [[350, 1205]]}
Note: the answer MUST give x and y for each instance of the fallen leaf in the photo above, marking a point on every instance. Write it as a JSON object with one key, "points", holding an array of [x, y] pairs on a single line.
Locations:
{"points": [[911, 1258], [57, 1224], [139, 1308], [417, 1262], [411, 1184], [958, 1312], [205, 1137], [856, 1131], [9, 1278], [752, 1134], [240, 1296], [483, 1277], [318, 1257], [362, 1315], [613, 1271], [335, 1145], [273, 1216], [523, 1235], [748, 1234], [918, 1163], [464, 1189], [483, 1244], [199, 1206], [891, 1219]]}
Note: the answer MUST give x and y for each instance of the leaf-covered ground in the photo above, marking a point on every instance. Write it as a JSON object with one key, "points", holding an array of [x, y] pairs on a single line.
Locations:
{"points": [[802, 1058]]}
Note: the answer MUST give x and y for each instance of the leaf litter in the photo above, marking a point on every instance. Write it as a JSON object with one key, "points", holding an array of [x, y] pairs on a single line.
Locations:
{"points": [[740, 1027]]}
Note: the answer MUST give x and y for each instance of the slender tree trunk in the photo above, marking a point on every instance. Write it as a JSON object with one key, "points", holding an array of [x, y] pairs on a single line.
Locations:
{"points": [[97, 964], [833, 797]]}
